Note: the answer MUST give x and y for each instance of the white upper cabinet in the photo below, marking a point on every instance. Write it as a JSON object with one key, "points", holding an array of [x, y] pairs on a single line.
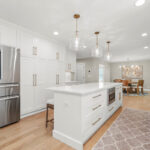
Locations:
{"points": [[8, 36], [27, 71], [26, 44], [42, 49], [70, 61]]}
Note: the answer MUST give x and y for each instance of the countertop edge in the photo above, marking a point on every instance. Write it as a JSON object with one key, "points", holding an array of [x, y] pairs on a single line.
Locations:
{"points": [[54, 89]]}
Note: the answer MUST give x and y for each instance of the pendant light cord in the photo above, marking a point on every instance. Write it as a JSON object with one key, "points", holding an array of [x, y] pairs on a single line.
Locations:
{"points": [[108, 48], [97, 41], [108, 42], [76, 27]]}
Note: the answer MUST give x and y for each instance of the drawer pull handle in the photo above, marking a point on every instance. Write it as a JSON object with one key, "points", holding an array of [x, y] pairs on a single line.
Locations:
{"points": [[97, 96], [96, 121], [111, 109], [96, 107]]}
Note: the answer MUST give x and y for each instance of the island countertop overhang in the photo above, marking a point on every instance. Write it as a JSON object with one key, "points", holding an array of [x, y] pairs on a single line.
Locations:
{"points": [[84, 89]]}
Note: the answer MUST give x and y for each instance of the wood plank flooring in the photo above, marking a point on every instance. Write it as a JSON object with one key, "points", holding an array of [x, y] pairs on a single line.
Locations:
{"points": [[30, 133]]}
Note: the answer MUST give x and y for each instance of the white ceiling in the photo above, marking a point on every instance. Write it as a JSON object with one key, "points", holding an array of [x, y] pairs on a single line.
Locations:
{"points": [[117, 20]]}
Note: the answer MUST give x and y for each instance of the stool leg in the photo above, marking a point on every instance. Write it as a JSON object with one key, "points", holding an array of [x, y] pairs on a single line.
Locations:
{"points": [[46, 116], [142, 91]]}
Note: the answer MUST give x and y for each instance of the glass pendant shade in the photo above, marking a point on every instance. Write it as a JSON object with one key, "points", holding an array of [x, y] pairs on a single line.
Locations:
{"points": [[108, 54], [97, 52], [75, 43]]}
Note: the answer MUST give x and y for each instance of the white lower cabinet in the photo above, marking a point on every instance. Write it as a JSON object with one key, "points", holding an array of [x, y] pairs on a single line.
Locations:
{"points": [[40, 97], [84, 114], [37, 75], [27, 99], [119, 95], [34, 75], [96, 111]]}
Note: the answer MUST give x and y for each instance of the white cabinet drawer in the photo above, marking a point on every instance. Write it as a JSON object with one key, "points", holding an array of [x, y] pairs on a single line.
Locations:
{"points": [[94, 101], [98, 97], [93, 119], [91, 108], [111, 108]]}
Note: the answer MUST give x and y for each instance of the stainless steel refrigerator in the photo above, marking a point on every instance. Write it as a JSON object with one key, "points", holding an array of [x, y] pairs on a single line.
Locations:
{"points": [[9, 85]]}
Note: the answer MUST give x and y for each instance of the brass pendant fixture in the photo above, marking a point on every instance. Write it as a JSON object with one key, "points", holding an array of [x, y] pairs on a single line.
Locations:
{"points": [[97, 48], [96, 51], [76, 42]]}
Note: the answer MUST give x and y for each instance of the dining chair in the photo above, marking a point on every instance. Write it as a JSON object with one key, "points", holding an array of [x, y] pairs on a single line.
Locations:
{"points": [[125, 86], [118, 80], [140, 86]]}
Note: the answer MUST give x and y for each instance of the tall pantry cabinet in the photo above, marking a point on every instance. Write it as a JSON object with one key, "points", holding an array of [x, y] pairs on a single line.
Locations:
{"points": [[40, 69]]}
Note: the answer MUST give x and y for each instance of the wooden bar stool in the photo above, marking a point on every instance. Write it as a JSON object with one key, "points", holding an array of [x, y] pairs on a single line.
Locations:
{"points": [[50, 105]]}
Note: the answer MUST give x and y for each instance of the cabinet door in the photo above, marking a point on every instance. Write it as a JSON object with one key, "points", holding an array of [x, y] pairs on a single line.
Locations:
{"points": [[42, 49], [8, 36], [60, 70], [27, 99], [80, 72], [51, 71], [26, 44], [70, 61], [27, 88], [44, 80], [27, 70], [40, 97], [117, 95]]}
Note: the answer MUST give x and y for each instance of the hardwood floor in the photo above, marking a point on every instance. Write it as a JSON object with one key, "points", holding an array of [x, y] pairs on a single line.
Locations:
{"points": [[30, 133]]}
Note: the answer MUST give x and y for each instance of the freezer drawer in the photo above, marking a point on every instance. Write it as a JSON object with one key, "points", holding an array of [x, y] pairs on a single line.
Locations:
{"points": [[9, 110], [2, 113]]}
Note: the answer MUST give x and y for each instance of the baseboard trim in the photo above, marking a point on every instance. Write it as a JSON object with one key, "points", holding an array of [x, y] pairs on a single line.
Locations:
{"points": [[68, 140], [147, 90], [32, 113]]}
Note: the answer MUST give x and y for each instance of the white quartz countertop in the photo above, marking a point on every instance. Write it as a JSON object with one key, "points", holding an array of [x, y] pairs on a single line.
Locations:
{"points": [[82, 89]]}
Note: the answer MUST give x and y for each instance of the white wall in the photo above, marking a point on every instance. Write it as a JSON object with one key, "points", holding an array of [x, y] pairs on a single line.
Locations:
{"points": [[115, 71], [92, 64]]}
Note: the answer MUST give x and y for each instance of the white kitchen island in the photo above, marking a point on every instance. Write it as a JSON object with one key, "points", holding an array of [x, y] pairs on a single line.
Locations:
{"points": [[80, 110]]}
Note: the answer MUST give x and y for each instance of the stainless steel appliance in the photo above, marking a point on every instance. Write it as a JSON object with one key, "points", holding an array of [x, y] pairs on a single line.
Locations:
{"points": [[9, 85], [111, 95]]}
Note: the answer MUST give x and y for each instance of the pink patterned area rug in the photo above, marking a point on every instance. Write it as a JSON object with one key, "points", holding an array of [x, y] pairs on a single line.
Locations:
{"points": [[130, 131]]}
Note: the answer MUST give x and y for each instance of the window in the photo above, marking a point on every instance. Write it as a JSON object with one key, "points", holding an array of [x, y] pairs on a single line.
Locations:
{"points": [[101, 73]]}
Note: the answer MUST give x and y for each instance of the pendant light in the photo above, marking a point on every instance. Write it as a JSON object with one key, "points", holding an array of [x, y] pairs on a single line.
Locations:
{"points": [[96, 51], [108, 51], [76, 42]]}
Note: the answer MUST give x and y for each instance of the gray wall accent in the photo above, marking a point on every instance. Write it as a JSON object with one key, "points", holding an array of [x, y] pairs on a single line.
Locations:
{"points": [[115, 71], [92, 64]]}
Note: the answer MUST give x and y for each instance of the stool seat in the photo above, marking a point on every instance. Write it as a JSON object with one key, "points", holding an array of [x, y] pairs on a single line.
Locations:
{"points": [[50, 101]]}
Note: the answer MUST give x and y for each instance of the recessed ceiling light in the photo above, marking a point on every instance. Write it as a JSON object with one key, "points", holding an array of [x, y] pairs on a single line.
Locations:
{"points": [[139, 2], [84, 46], [144, 34], [145, 47], [55, 33]]}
